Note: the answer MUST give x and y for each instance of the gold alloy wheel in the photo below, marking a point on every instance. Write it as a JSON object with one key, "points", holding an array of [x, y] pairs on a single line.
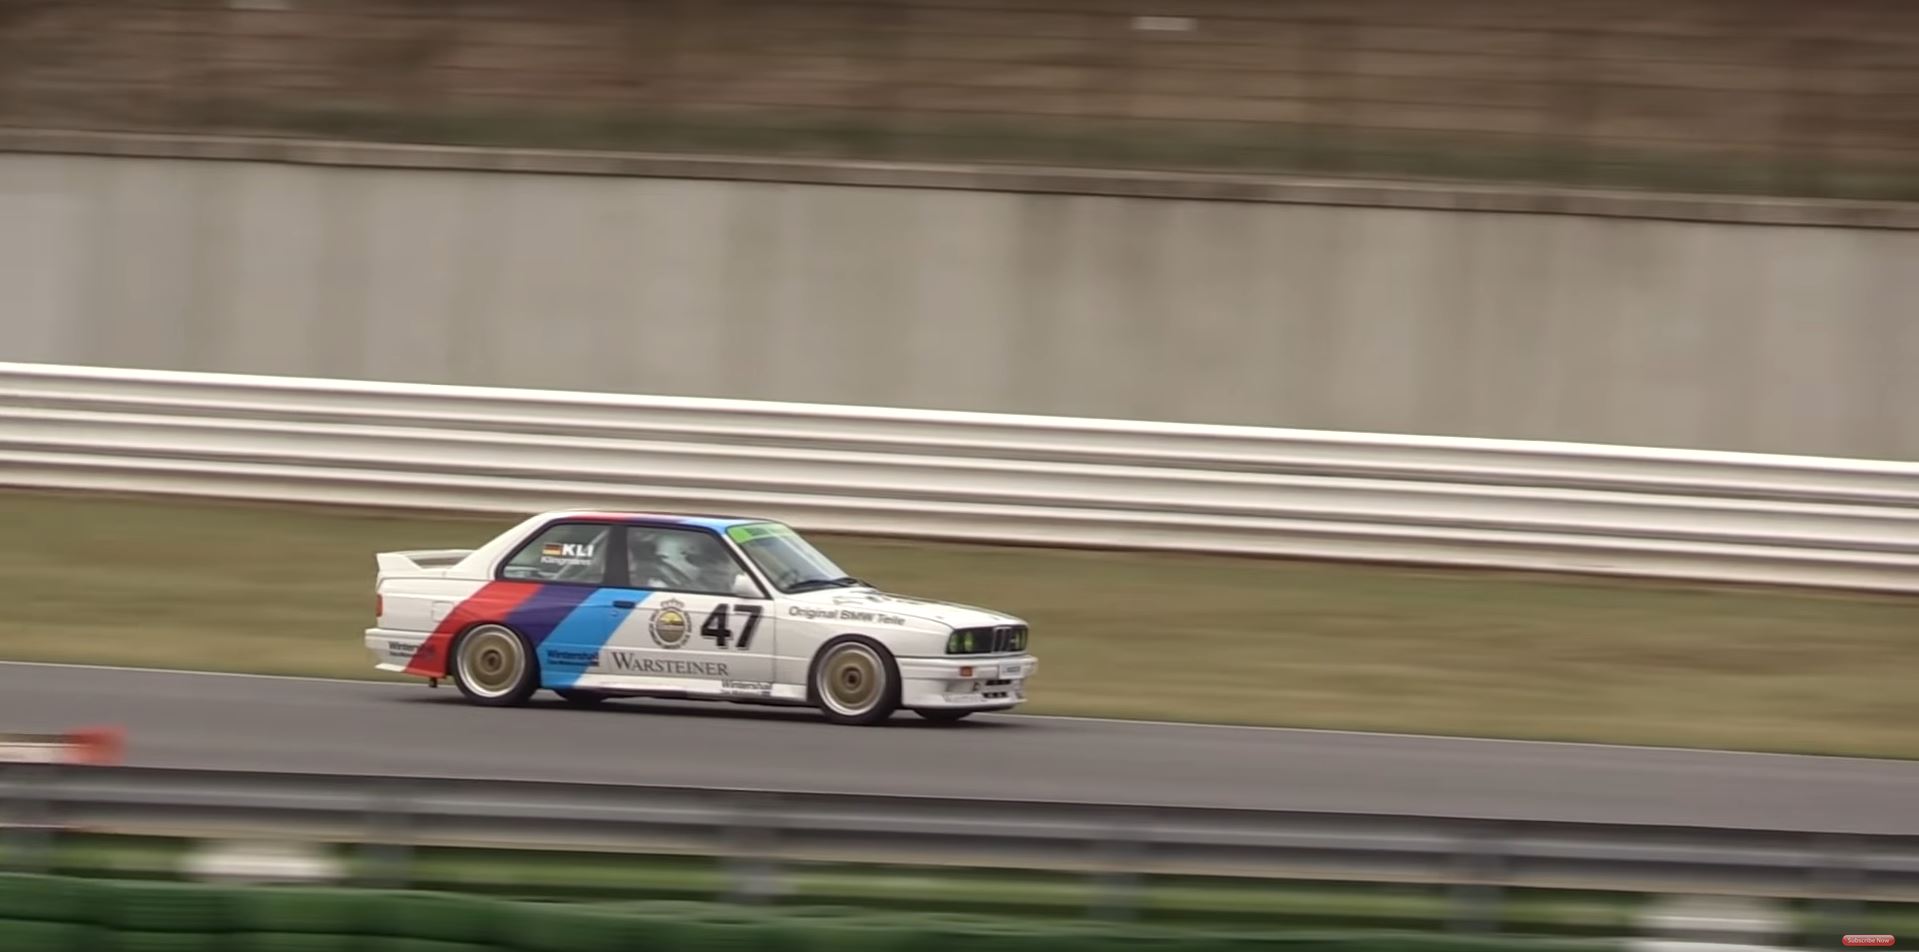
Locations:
{"points": [[852, 680], [492, 661]]}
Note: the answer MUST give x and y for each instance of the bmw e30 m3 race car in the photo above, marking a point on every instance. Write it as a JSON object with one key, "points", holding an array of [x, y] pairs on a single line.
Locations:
{"points": [[593, 605]]}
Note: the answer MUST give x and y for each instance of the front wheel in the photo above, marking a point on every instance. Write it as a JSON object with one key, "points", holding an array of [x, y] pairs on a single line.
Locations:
{"points": [[492, 666], [855, 681]]}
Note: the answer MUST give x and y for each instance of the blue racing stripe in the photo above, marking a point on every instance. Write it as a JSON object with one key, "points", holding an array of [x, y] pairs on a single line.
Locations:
{"points": [[574, 644], [546, 609]]}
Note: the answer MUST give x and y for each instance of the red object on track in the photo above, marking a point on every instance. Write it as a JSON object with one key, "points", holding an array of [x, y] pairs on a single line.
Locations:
{"points": [[90, 745]]}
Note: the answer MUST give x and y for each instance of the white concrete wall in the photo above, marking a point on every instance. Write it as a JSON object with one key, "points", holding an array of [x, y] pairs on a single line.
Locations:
{"points": [[1795, 339]]}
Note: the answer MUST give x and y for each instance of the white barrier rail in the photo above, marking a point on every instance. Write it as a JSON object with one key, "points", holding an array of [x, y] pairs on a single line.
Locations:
{"points": [[390, 815], [986, 477]]}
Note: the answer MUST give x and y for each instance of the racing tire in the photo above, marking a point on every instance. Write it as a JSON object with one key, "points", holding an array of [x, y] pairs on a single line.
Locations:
{"points": [[494, 666], [854, 680], [943, 715], [581, 698]]}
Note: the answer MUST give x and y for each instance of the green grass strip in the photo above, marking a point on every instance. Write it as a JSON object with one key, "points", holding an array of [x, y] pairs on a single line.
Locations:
{"points": [[287, 590]]}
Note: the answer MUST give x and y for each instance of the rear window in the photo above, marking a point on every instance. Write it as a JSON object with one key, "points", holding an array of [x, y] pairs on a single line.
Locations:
{"points": [[569, 552]]}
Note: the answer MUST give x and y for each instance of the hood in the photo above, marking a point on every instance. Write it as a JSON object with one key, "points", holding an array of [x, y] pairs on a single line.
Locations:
{"points": [[941, 613]]}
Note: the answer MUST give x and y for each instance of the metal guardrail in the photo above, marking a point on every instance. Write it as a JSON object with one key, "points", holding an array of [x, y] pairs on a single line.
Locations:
{"points": [[1118, 843], [972, 476]]}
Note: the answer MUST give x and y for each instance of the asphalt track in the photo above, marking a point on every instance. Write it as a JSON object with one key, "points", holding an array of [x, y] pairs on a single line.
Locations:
{"points": [[239, 722]]}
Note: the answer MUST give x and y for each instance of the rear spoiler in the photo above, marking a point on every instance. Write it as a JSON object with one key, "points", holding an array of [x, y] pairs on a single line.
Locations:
{"points": [[416, 562]]}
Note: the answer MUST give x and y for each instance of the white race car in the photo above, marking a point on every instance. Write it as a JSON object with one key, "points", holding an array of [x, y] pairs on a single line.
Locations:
{"points": [[594, 605]]}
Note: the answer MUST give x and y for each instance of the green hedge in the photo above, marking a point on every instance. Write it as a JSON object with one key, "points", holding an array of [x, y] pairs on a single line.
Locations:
{"points": [[57, 914]]}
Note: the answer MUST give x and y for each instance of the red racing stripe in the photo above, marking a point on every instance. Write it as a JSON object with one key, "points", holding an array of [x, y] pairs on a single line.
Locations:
{"points": [[493, 602]]}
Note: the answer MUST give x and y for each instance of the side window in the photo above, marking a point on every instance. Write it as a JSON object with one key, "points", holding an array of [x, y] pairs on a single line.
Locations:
{"points": [[685, 560], [573, 552]]}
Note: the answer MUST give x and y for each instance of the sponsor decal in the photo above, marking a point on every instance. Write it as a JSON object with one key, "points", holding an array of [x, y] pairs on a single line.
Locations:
{"points": [[844, 614], [641, 664], [670, 624], [567, 553], [931, 603], [752, 688], [749, 533], [402, 649], [871, 618], [582, 659], [910, 600]]}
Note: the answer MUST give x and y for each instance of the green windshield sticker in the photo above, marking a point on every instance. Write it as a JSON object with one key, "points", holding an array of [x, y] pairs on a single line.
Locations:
{"points": [[758, 530]]}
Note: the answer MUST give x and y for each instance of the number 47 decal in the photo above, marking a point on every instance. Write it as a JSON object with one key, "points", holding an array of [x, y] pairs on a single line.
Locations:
{"points": [[718, 625]]}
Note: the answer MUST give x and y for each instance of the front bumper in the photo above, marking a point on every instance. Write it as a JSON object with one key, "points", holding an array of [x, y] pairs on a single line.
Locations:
{"points": [[984, 683]]}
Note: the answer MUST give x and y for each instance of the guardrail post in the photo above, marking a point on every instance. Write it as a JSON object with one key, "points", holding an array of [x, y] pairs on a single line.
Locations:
{"points": [[750, 836], [386, 850], [1121, 851], [1475, 891], [28, 812]]}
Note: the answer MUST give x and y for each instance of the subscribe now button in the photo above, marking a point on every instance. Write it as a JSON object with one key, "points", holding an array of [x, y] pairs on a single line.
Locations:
{"points": [[1878, 941]]}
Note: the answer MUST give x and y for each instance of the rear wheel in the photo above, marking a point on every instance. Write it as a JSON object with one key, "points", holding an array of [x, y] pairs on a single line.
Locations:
{"points": [[492, 666], [855, 681]]}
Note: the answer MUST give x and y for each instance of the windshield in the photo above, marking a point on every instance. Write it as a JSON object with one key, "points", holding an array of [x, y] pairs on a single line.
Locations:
{"points": [[789, 561]]}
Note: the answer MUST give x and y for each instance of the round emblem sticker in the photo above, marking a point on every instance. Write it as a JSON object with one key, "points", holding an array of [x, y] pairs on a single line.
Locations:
{"points": [[670, 624]]}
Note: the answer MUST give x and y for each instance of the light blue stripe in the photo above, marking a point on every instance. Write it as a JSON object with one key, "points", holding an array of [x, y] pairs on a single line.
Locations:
{"points": [[577, 640]]}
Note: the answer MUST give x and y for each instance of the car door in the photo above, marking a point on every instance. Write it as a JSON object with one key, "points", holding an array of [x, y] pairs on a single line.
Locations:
{"points": [[561, 599], [701, 622]]}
